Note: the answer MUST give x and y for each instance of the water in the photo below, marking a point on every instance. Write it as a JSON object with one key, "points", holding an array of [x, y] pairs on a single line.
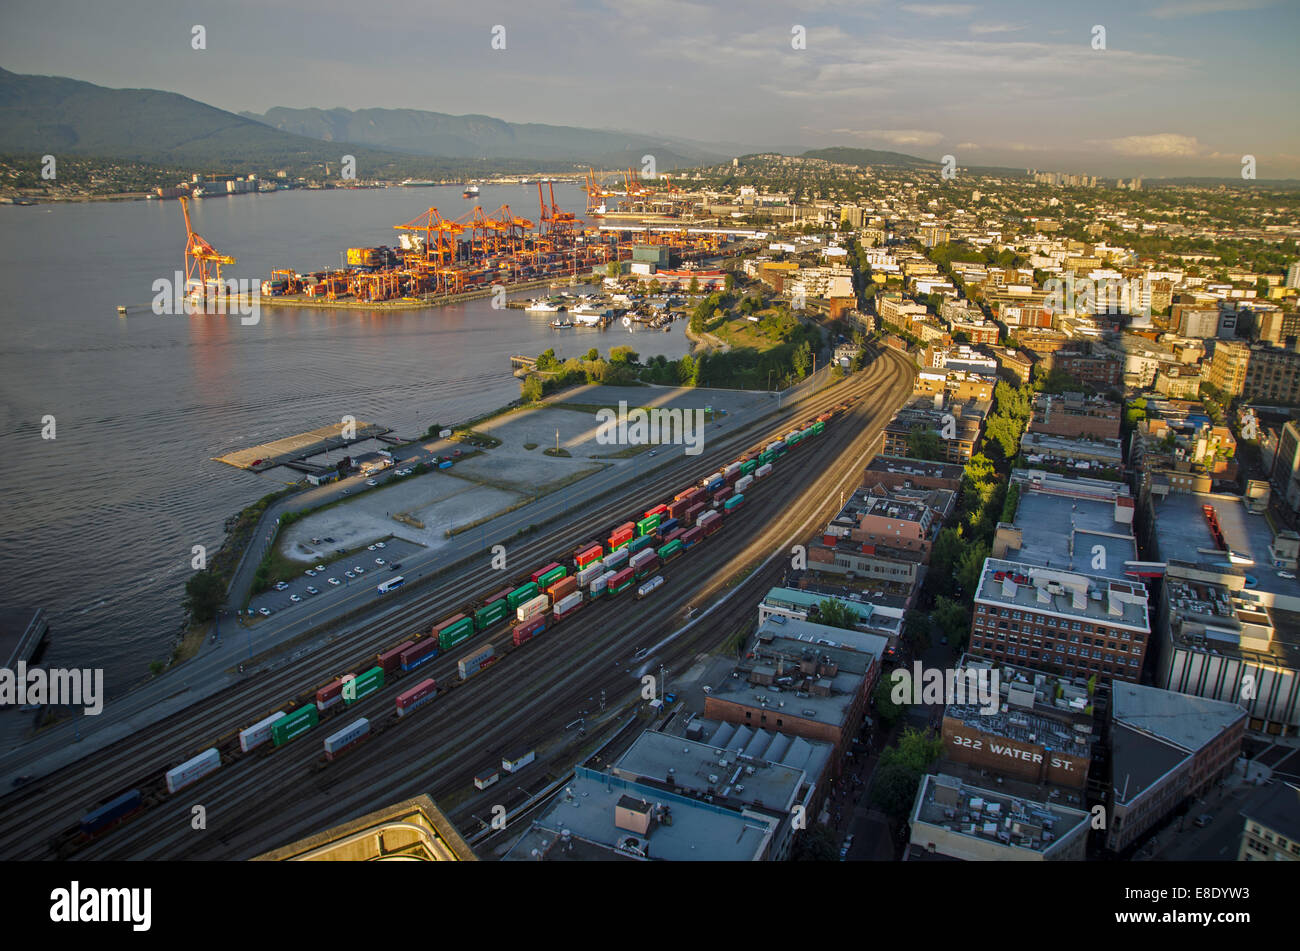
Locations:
{"points": [[100, 521]]}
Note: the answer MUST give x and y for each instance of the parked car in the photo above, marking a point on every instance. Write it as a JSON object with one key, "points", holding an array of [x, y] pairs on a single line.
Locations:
{"points": [[333, 581], [844, 849], [295, 598], [319, 569], [359, 570], [380, 545], [379, 561], [395, 566], [311, 590], [370, 548], [309, 573], [371, 482], [349, 574], [265, 612], [281, 586], [1204, 819]]}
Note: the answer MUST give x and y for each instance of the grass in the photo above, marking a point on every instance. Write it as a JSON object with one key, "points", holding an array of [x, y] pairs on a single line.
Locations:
{"points": [[190, 643], [628, 451], [561, 452]]}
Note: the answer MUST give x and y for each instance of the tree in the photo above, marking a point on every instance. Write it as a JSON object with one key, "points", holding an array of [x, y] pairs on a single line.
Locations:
{"points": [[531, 389], [613, 268], [546, 360], [623, 355], [730, 283], [900, 771], [886, 709], [593, 354], [654, 286], [969, 567], [813, 844], [205, 592], [687, 371], [1004, 433], [947, 548], [801, 359], [834, 613], [951, 617], [694, 287], [925, 444]]}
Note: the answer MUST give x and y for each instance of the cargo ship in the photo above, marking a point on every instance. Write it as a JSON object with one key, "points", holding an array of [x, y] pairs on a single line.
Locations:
{"points": [[471, 191]]}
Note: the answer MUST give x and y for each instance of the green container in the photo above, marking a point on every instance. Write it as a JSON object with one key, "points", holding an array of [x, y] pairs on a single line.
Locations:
{"points": [[766, 457], [818, 428], [552, 576], [674, 547], [731, 503], [645, 541], [364, 685], [747, 467], [647, 525], [491, 614], [460, 631], [294, 725], [521, 594]]}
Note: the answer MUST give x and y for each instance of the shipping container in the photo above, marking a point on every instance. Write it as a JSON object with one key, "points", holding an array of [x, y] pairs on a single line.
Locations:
{"points": [[491, 614], [587, 555], [731, 470], [454, 619], [330, 694], [640, 545], [529, 629], [561, 588], [590, 573], [691, 536], [486, 778], [569, 604], [363, 685], [647, 525], [530, 609], [523, 593], [390, 660], [462, 630], [258, 733], [693, 513], [672, 536], [763, 470], [714, 484], [722, 495], [671, 550], [351, 734], [733, 503], [744, 483], [747, 467], [667, 526], [649, 586], [649, 566], [552, 576], [293, 725], [471, 664], [678, 508], [600, 586], [541, 573], [111, 812], [417, 696], [621, 581], [659, 510], [617, 559], [501, 595], [710, 522], [424, 651], [765, 459], [192, 770], [514, 762], [819, 427], [621, 536]]}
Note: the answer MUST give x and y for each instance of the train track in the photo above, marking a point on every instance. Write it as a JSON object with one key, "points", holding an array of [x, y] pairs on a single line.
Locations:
{"points": [[513, 691]]}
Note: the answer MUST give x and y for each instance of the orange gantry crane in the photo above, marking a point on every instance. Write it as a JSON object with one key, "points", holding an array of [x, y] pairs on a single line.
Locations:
{"points": [[198, 255], [439, 236]]}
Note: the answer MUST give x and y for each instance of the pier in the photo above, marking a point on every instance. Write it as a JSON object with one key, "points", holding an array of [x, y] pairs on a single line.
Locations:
{"points": [[293, 449]]}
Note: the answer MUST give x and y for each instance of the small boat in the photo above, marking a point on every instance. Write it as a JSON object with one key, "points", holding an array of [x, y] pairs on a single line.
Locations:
{"points": [[542, 307], [121, 311], [561, 323], [471, 191]]}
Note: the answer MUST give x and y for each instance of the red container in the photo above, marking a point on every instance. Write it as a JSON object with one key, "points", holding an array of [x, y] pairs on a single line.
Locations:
{"points": [[562, 587], [657, 510], [420, 650], [722, 494], [330, 694], [499, 596], [411, 698], [691, 536], [693, 512], [587, 555], [731, 479], [675, 534], [685, 494], [439, 628], [678, 508], [392, 659], [710, 522], [619, 579], [529, 629], [541, 571], [622, 534]]}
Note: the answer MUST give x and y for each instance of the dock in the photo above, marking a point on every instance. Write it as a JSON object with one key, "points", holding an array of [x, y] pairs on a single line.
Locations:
{"points": [[293, 449], [21, 635], [520, 362]]}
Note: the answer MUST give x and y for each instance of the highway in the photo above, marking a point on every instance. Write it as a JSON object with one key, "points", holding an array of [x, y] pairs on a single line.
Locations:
{"points": [[272, 796]]}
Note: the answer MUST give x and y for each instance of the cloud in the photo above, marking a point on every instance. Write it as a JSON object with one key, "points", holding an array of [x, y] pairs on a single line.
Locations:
{"points": [[939, 9], [907, 136], [1162, 145], [980, 29], [1183, 8]]}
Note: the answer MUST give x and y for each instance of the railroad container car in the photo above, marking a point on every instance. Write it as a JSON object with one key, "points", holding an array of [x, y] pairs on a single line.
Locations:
{"points": [[490, 614], [684, 494], [514, 762], [748, 466], [193, 769], [363, 685], [621, 580], [775, 445], [390, 660], [530, 609], [523, 593], [671, 550], [111, 812], [541, 573], [668, 525], [825, 417], [731, 470], [765, 458], [258, 733], [486, 778], [616, 559], [423, 652], [568, 605], [641, 544], [471, 664], [351, 734], [417, 696], [454, 619], [647, 567], [659, 510], [678, 508], [588, 555], [621, 536], [561, 588], [744, 483], [501, 595], [693, 513], [692, 536], [763, 471], [590, 573], [330, 694], [709, 522], [293, 725], [722, 495], [675, 534], [529, 629], [733, 503], [818, 428], [462, 630], [600, 586], [714, 484], [647, 525], [649, 586], [552, 576]]}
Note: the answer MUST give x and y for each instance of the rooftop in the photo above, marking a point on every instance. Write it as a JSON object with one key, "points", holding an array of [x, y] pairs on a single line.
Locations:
{"points": [[1276, 807], [1043, 519], [981, 814], [1066, 594]]}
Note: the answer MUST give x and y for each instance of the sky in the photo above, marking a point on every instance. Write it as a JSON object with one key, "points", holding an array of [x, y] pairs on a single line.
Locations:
{"points": [[1142, 87]]}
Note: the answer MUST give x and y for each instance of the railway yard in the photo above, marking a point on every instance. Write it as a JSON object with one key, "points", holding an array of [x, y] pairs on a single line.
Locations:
{"points": [[274, 794]]}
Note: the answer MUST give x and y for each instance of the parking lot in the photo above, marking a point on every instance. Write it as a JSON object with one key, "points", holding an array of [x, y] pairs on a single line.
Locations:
{"points": [[375, 561]]}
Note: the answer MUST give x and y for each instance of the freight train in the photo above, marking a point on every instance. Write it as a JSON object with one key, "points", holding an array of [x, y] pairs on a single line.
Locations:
{"points": [[636, 550]]}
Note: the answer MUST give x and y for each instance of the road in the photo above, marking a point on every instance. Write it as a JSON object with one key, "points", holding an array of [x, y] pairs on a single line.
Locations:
{"points": [[527, 696]]}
